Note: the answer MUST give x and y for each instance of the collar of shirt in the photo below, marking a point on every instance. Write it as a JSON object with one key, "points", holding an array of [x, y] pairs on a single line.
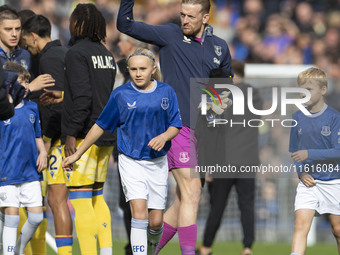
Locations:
{"points": [[50, 45], [208, 31], [8, 54]]}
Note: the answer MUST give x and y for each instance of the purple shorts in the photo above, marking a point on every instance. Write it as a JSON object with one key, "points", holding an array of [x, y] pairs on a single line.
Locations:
{"points": [[183, 151]]}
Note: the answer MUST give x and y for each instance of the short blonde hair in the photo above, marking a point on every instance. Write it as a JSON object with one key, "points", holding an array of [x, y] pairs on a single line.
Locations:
{"points": [[313, 74]]}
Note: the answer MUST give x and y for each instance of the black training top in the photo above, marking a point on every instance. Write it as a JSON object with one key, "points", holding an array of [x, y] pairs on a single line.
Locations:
{"points": [[52, 61], [90, 76]]}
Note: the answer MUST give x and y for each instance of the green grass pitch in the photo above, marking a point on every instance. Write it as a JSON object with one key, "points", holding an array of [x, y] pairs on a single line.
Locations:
{"points": [[227, 248]]}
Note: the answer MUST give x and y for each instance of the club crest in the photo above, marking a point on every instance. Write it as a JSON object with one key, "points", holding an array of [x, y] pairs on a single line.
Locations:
{"points": [[165, 103], [218, 50], [183, 156], [326, 131], [32, 118]]}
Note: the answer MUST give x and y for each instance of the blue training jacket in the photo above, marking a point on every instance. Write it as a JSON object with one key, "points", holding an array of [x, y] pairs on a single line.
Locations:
{"points": [[21, 56], [181, 57]]}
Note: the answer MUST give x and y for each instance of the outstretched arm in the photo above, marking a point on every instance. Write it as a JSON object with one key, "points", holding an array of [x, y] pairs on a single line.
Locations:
{"points": [[158, 35], [91, 137], [41, 82]]}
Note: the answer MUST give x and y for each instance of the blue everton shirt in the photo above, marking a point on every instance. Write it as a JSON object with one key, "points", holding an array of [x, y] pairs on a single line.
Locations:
{"points": [[140, 115], [318, 133], [18, 147]]}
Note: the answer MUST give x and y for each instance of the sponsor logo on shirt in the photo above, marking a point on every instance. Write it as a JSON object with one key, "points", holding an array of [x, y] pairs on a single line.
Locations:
{"points": [[187, 40], [326, 131], [216, 61], [132, 106], [300, 131], [218, 50], [165, 103], [184, 157], [7, 122], [32, 118]]}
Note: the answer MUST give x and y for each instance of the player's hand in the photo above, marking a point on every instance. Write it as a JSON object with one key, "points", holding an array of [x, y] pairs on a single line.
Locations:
{"points": [[51, 97], [157, 143], [67, 163], [307, 180], [70, 145], [42, 161], [300, 156], [41, 82]]}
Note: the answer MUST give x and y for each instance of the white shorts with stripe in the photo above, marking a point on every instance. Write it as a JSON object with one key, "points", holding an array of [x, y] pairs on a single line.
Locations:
{"points": [[324, 197], [145, 179]]}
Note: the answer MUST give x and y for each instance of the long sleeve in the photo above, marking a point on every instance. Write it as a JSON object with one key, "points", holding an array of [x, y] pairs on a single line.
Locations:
{"points": [[158, 35], [331, 153], [54, 66], [78, 93]]}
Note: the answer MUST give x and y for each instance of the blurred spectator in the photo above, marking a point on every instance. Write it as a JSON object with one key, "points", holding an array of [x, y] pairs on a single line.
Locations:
{"points": [[259, 31], [304, 17]]}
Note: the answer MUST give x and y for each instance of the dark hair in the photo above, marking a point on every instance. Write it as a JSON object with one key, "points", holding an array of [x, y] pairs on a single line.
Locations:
{"points": [[88, 23], [204, 3], [25, 15], [39, 25], [238, 67], [7, 13]]}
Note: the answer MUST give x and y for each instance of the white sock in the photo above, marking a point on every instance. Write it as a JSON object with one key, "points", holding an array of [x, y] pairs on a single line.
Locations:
{"points": [[10, 233], [28, 230], [2, 222], [139, 236], [294, 253], [153, 239], [106, 251]]}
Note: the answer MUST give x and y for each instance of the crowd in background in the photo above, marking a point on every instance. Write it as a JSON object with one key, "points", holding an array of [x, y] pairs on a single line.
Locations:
{"points": [[257, 31]]}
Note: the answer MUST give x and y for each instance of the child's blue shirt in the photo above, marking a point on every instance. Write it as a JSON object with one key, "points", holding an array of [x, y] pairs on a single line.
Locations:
{"points": [[18, 147], [318, 133]]}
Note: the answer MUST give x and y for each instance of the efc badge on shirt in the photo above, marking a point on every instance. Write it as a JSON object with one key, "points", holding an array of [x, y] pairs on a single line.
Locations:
{"points": [[165, 103], [326, 131]]}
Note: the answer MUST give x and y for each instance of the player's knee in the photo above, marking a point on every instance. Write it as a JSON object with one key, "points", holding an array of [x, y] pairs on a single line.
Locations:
{"points": [[301, 225], [192, 195], [155, 224], [140, 215], [35, 218], [12, 221], [56, 199], [336, 231]]}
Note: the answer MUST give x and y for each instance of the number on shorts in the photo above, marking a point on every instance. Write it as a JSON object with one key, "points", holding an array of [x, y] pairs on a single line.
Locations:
{"points": [[54, 160]]}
